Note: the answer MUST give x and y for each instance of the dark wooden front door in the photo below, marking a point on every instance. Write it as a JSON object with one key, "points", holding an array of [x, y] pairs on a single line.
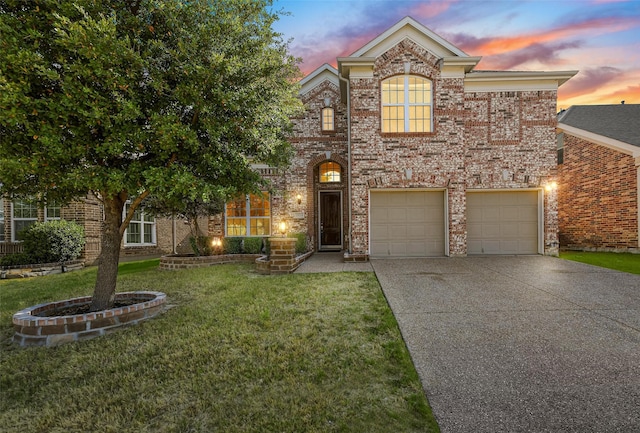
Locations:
{"points": [[330, 220]]}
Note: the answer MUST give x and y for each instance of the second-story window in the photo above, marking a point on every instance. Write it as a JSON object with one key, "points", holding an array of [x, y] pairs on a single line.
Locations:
{"points": [[406, 104], [328, 120]]}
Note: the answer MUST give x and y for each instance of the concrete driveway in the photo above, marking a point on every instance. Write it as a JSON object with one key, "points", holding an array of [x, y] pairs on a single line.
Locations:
{"points": [[520, 344]]}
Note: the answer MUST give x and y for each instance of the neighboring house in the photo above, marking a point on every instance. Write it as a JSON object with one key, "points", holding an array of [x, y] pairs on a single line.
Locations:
{"points": [[145, 235], [599, 177], [406, 150]]}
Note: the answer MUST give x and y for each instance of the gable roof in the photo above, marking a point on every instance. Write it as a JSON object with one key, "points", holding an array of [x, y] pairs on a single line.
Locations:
{"points": [[325, 72], [410, 28], [619, 122]]}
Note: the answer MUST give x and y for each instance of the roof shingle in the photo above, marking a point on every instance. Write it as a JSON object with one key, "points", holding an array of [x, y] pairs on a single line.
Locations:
{"points": [[620, 122]]}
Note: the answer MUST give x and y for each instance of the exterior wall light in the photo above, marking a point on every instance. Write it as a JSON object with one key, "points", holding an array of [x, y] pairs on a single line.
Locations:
{"points": [[551, 186], [299, 198], [282, 228], [216, 244]]}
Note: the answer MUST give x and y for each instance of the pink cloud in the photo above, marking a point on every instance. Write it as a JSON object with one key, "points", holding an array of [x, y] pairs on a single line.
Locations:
{"points": [[493, 46], [589, 81], [543, 53], [431, 9]]}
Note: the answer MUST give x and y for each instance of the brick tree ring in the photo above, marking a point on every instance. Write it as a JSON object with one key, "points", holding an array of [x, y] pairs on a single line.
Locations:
{"points": [[62, 322]]}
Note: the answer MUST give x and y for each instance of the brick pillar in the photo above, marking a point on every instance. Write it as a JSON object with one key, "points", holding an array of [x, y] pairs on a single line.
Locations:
{"points": [[282, 257]]}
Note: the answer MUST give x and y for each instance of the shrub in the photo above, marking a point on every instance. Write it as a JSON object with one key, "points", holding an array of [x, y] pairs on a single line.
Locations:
{"points": [[16, 259], [232, 245], [53, 241], [301, 242], [201, 246], [252, 245]]}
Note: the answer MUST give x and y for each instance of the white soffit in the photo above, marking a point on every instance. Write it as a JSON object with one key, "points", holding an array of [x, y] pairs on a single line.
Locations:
{"points": [[409, 28], [497, 81], [325, 72]]}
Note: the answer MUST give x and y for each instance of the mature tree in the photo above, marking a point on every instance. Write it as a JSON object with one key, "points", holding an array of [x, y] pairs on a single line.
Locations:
{"points": [[126, 99]]}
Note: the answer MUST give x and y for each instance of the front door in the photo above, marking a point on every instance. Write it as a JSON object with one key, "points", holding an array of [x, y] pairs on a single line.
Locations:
{"points": [[330, 220]]}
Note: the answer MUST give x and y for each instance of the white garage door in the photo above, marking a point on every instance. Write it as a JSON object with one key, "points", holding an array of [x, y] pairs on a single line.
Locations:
{"points": [[504, 222], [407, 224]]}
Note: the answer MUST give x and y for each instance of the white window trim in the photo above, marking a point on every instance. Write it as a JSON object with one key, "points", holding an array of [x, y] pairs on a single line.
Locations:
{"points": [[333, 119], [46, 214], [406, 106], [142, 243], [248, 220], [2, 220], [14, 219]]}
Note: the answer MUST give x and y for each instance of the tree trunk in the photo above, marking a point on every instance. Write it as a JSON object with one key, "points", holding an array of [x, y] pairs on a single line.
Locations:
{"points": [[105, 289]]}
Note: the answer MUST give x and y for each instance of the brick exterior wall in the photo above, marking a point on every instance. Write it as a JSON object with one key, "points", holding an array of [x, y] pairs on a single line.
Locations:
{"points": [[88, 213], [476, 138], [313, 147], [598, 198]]}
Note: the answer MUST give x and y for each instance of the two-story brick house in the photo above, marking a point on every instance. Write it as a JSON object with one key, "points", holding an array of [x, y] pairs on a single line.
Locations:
{"points": [[406, 150]]}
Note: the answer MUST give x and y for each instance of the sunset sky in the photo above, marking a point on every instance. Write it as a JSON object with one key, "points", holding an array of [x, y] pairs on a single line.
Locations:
{"points": [[599, 38]]}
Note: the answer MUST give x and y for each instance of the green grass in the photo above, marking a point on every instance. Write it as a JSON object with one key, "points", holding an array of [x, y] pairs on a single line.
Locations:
{"points": [[625, 262], [237, 352]]}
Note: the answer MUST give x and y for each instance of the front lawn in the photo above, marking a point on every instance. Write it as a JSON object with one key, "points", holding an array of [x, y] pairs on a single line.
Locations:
{"points": [[625, 262], [238, 352]]}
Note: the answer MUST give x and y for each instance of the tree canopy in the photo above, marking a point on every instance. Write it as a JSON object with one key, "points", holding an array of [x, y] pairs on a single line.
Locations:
{"points": [[126, 99]]}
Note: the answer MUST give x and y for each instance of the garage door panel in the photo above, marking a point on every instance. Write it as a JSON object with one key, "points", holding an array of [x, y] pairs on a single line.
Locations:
{"points": [[490, 213], [504, 222], [407, 223]]}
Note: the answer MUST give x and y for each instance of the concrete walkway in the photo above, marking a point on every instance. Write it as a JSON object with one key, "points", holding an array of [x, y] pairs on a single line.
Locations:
{"points": [[331, 262], [520, 344]]}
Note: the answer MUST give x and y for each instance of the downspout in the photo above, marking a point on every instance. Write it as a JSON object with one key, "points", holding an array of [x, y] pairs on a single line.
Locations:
{"points": [[341, 78], [173, 234]]}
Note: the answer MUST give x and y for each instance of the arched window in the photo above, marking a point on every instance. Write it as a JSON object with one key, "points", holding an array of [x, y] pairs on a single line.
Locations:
{"points": [[328, 122], [406, 104], [329, 172]]}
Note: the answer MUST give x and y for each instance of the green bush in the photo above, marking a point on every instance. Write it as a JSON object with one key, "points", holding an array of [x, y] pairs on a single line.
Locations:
{"points": [[301, 242], [16, 259], [232, 245], [252, 245], [53, 241], [201, 246]]}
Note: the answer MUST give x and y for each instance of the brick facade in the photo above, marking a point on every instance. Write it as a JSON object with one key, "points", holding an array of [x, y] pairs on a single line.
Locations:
{"points": [[598, 197], [88, 213], [484, 138], [491, 131]]}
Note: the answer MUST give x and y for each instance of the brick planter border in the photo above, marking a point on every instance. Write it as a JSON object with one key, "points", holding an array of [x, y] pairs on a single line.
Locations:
{"points": [[33, 330], [172, 262]]}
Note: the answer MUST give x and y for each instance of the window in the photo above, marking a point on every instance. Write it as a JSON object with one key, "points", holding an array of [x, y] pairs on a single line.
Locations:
{"points": [[52, 212], [328, 123], [25, 213], [1, 219], [561, 148], [249, 216], [406, 104], [141, 229], [329, 172]]}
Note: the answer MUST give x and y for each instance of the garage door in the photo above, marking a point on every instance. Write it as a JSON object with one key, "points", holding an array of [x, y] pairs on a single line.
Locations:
{"points": [[504, 222], [407, 224]]}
